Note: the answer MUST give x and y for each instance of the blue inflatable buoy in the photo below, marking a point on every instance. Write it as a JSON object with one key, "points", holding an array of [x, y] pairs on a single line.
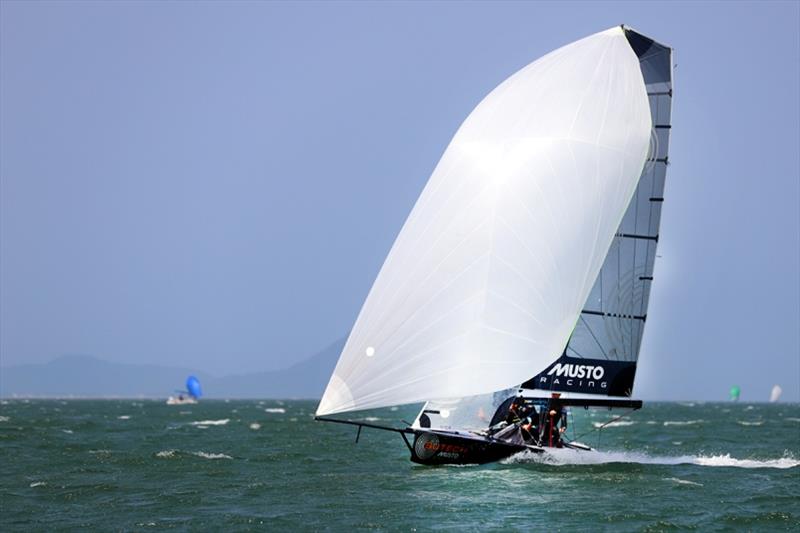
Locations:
{"points": [[193, 386]]}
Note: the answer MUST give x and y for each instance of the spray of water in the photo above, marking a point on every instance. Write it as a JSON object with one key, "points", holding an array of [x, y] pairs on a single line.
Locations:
{"points": [[574, 457]]}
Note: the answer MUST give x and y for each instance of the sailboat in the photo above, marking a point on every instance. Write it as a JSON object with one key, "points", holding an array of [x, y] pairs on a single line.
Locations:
{"points": [[775, 393], [734, 393], [190, 395], [519, 284]]}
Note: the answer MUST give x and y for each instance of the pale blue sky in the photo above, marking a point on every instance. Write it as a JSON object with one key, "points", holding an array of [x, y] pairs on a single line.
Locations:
{"points": [[216, 185]]}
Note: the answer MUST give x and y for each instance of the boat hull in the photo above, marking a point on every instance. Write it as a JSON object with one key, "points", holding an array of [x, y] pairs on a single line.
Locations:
{"points": [[180, 401], [432, 447]]}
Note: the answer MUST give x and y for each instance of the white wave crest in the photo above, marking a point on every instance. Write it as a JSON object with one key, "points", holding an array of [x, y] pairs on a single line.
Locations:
{"points": [[206, 455], [4, 419], [682, 422], [211, 422], [371, 419], [274, 410], [682, 481], [564, 456], [124, 417], [171, 454], [255, 426], [793, 419], [745, 423], [38, 484], [615, 424]]}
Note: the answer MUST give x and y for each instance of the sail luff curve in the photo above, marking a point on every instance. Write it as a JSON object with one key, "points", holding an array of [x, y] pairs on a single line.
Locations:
{"points": [[492, 268]]}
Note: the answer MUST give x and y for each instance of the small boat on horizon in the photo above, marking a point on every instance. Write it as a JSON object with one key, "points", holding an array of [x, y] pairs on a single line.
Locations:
{"points": [[518, 286], [775, 394], [734, 393], [190, 395]]}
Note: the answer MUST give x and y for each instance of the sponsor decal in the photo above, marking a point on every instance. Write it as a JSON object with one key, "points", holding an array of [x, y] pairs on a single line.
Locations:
{"points": [[577, 371], [428, 445], [593, 376], [446, 448]]}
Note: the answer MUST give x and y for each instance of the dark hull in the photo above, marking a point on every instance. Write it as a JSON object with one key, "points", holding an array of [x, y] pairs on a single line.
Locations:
{"points": [[432, 447]]}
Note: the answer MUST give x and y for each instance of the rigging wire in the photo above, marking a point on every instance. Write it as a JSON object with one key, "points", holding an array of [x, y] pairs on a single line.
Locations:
{"points": [[594, 337], [598, 428]]}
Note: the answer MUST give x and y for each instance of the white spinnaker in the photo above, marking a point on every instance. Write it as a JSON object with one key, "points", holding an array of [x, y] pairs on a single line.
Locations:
{"points": [[489, 274]]}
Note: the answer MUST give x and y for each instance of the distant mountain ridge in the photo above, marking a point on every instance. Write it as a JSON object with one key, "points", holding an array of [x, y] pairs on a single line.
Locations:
{"points": [[90, 377]]}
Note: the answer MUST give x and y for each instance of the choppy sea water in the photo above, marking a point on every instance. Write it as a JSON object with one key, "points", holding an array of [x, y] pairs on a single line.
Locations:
{"points": [[245, 465]]}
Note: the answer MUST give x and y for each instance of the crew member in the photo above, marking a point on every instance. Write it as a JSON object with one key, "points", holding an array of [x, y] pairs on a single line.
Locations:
{"points": [[530, 426], [515, 415], [555, 422]]}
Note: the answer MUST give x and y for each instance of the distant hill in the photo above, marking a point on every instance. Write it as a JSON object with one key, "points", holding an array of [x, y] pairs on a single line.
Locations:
{"points": [[86, 376], [306, 379], [90, 377]]}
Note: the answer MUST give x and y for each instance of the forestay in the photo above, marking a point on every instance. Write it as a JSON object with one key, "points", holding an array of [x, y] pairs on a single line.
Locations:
{"points": [[492, 268]]}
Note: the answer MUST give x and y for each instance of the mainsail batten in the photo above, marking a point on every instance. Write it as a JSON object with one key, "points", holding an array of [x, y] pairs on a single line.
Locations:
{"points": [[491, 271]]}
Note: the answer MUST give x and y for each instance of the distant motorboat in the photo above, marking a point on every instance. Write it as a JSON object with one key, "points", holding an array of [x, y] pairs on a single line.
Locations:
{"points": [[190, 395]]}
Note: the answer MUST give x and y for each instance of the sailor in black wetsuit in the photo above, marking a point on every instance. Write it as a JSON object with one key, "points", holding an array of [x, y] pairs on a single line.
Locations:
{"points": [[522, 421], [530, 425], [555, 422], [513, 414]]}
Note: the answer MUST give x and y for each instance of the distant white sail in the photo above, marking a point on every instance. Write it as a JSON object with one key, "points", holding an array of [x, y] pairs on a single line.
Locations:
{"points": [[490, 272], [775, 395]]}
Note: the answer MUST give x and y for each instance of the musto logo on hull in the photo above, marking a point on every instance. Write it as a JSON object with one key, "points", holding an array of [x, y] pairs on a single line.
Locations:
{"points": [[614, 378]]}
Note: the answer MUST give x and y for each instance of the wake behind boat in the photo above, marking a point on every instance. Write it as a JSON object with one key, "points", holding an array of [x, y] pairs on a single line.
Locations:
{"points": [[534, 239]]}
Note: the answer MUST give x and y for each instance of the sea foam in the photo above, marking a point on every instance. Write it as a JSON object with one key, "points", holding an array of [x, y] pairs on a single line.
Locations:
{"points": [[682, 481], [745, 423], [211, 422], [564, 456], [615, 424], [206, 455], [682, 422], [171, 454]]}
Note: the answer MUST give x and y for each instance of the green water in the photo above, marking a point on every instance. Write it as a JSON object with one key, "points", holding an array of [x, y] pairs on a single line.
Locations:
{"points": [[241, 465]]}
